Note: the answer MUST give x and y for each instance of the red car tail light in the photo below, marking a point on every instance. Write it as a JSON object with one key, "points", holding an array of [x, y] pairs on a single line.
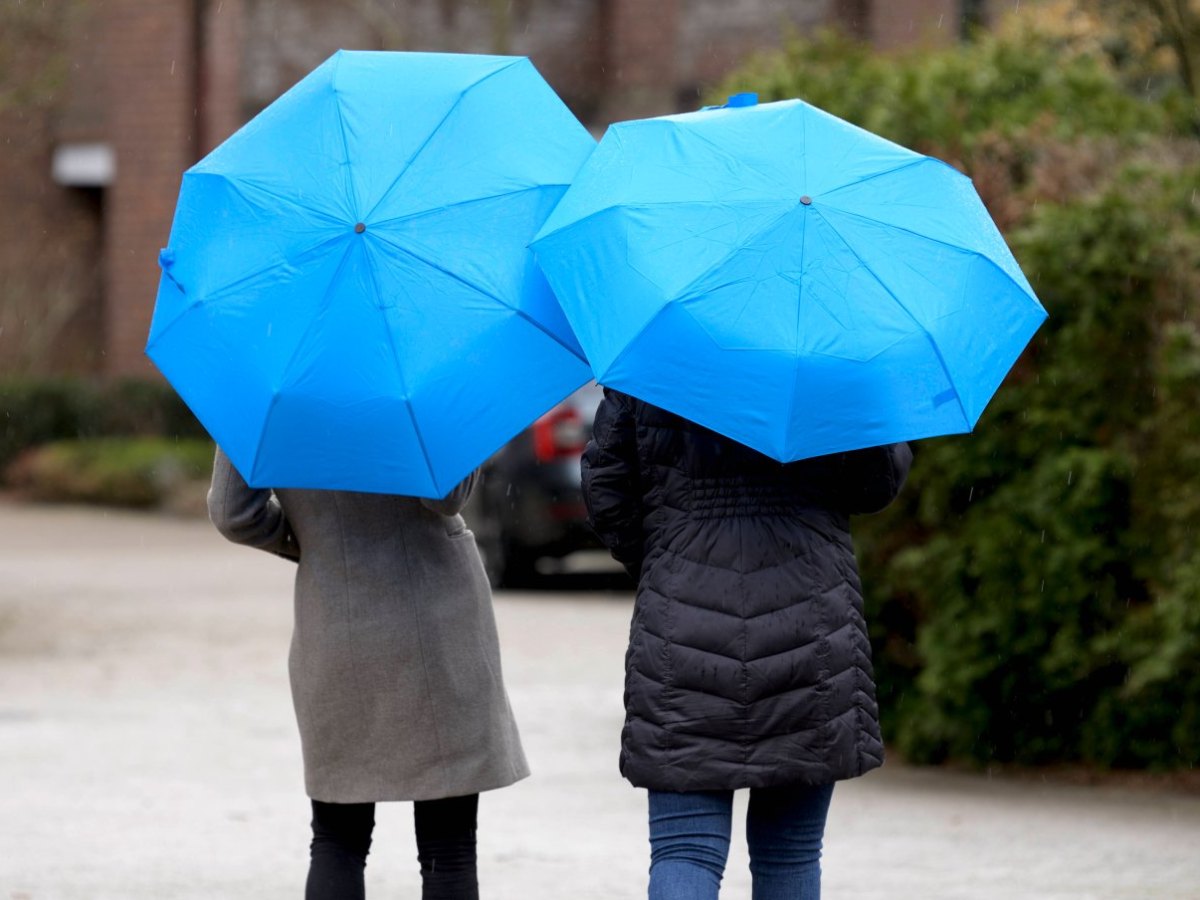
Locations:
{"points": [[559, 434]]}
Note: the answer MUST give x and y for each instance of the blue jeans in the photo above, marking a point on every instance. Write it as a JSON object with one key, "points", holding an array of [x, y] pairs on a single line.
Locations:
{"points": [[689, 842]]}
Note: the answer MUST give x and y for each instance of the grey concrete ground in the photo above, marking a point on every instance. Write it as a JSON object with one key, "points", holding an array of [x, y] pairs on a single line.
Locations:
{"points": [[147, 750]]}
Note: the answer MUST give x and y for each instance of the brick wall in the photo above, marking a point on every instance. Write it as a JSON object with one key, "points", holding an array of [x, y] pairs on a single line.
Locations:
{"points": [[608, 59], [285, 39], [162, 81], [150, 85], [716, 36], [641, 51], [219, 85], [49, 237], [49, 257]]}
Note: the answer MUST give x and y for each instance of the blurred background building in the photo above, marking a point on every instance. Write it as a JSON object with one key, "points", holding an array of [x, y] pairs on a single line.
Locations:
{"points": [[116, 98]]}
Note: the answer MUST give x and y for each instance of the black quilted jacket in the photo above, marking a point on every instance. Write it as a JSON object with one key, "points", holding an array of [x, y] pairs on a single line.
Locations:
{"points": [[748, 661]]}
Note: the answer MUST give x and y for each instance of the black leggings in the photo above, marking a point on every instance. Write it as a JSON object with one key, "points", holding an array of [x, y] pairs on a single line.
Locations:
{"points": [[445, 849]]}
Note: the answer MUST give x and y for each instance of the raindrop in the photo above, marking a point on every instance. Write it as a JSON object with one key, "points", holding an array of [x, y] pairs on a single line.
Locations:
{"points": [[1070, 476], [971, 493], [1043, 587], [1043, 535], [172, 67]]}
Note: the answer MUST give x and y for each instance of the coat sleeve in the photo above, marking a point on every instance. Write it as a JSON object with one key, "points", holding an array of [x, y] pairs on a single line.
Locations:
{"points": [[246, 515], [610, 481], [453, 502], [858, 482]]}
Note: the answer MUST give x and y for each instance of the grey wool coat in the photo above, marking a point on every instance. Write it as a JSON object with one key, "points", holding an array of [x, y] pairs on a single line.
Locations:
{"points": [[395, 660]]}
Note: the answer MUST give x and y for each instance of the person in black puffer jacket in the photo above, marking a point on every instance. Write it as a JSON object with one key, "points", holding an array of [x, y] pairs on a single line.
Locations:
{"points": [[748, 663]]}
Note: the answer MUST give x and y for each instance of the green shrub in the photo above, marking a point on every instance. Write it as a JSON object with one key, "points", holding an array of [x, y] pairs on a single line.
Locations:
{"points": [[134, 472], [953, 100], [37, 411], [1034, 596]]}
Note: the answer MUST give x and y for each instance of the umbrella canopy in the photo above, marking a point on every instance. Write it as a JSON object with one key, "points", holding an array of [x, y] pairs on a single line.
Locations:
{"points": [[787, 279], [348, 300]]}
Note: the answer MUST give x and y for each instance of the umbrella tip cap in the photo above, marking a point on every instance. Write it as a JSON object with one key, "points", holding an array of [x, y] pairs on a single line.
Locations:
{"points": [[360, 228], [748, 98]]}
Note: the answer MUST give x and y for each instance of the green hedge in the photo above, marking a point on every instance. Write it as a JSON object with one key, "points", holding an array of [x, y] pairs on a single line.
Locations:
{"points": [[38, 411], [1034, 596], [134, 472]]}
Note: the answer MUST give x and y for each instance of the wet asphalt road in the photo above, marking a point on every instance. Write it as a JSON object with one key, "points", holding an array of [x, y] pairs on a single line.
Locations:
{"points": [[148, 750]]}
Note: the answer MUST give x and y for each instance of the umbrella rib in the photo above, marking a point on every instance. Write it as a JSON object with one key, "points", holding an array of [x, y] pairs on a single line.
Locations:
{"points": [[644, 204], [175, 321], [829, 166], [601, 377], [758, 232], [239, 189], [437, 209], [925, 237], [432, 134], [799, 298], [337, 102], [912, 162], [932, 343], [683, 292], [805, 112], [695, 234], [296, 352], [479, 290], [412, 416], [226, 288], [722, 151]]}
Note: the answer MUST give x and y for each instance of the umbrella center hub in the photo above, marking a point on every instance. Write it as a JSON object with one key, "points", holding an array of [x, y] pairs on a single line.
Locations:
{"points": [[806, 200], [360, 228]]}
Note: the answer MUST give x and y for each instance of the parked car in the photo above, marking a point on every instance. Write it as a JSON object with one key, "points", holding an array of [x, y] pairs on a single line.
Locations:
{"points": [[530, 503]]}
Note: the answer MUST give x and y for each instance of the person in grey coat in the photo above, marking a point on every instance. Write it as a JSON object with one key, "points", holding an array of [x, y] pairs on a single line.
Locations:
{"points": [[394, 666], [748, 663]]}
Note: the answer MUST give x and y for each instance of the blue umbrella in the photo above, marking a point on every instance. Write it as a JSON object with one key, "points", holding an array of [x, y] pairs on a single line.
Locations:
{"points": [[787, 279], [348, 300]]}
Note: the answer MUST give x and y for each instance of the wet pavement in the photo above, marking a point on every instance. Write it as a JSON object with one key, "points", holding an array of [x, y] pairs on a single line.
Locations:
{"points": [[148, 750]]}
